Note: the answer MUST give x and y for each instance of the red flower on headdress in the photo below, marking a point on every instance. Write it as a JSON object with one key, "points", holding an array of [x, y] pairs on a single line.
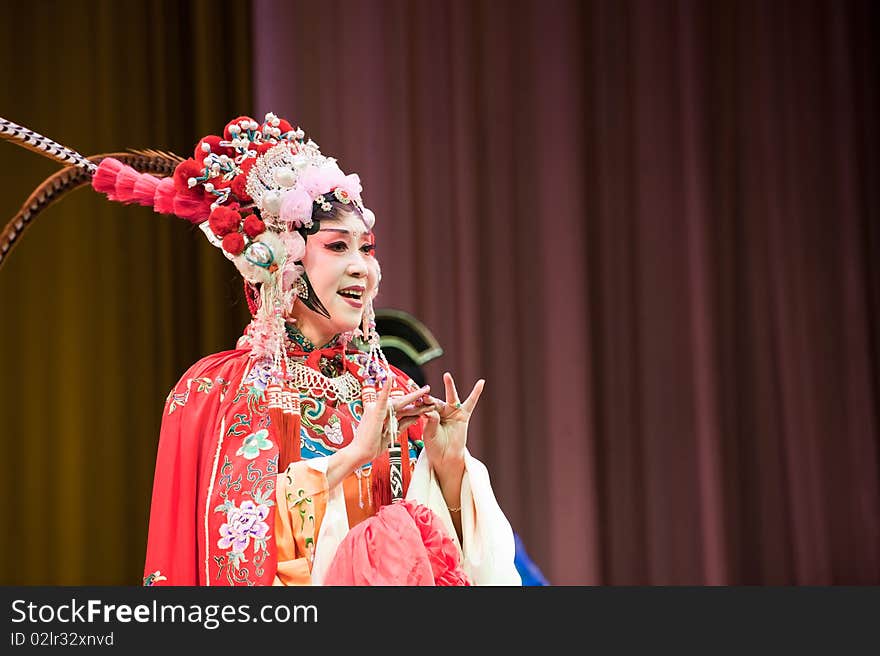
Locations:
{"points": [[284, 126], [233, 243], [187, 169], [213, 143], [253, 225], [219, 182], [263, 147], [223, 221], [236, 122], [239, 182]]}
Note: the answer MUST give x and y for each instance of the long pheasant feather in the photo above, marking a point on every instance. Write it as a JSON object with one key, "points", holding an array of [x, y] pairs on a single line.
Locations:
{"points": [[62, 182], [36, 142]]}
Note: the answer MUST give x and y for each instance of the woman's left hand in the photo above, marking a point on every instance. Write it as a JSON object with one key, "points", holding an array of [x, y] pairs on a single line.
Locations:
{"points": [[445, 433]]}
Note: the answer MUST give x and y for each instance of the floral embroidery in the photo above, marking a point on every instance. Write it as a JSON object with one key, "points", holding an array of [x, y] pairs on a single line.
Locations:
{"points": [[305, 508], [150, 579], [241, 424], [254, 443], [176, 400], [332, 431], [205, 384], [224, 386], [301, 502], [243, 524], [259, 377]]}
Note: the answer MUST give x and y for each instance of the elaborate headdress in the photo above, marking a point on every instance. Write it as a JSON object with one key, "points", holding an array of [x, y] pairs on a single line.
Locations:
{"points": [[254, 192]]}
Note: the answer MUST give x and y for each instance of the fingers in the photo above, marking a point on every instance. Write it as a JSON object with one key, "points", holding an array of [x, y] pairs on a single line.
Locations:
{"points": [[445, 409], [382, 398], [406, 399], [451, 392], [413, 410], [380, 406], [471, 401], [430, 429], [405, 423]]}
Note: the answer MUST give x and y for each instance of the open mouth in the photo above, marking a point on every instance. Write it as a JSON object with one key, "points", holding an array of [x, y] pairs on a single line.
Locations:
{"points": [[352, 295]]}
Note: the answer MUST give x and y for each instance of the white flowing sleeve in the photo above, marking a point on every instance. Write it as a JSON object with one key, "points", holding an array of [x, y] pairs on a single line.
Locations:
{"points": [[488, 547]]}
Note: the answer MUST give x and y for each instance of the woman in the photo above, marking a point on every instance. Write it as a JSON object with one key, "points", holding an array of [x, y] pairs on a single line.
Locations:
{"points": [[270, 454], [280, 462]]}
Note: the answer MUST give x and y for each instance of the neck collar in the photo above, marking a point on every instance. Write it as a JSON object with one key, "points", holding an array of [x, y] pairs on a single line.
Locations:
{"points": [[303, 343]]}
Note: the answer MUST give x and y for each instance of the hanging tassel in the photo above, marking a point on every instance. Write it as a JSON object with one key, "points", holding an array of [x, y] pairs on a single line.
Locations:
{"points": [[404, 459], [284, 412], [275, 408], [292, 420], [380, 485]]}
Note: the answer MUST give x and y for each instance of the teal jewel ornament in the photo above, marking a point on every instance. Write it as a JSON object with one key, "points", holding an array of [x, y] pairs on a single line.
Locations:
{"points": [[258, 254]]}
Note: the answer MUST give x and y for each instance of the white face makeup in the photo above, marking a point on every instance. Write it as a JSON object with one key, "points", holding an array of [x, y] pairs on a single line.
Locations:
{"points": [[340, 263]]}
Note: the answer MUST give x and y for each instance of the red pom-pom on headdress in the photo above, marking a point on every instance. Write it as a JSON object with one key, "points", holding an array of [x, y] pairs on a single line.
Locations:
{"points": [[233, 243], [239, 182], [284, 126], [253, 225], [224, 220], [263, 147], [194, 206], [213, 143], [228, 135], [187, 169]]}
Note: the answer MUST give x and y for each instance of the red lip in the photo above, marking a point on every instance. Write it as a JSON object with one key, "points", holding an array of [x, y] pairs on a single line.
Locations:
{"points": [[353, 288]]}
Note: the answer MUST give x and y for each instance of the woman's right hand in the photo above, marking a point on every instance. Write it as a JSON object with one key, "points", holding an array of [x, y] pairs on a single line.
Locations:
{"points": [[373, 434]]}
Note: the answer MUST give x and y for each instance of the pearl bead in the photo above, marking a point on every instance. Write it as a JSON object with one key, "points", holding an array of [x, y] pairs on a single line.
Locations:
{"points": [[272, 201], [285, 177]]}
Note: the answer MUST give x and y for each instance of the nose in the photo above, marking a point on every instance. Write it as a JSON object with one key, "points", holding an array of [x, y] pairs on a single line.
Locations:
{"points": [[357, 268]]}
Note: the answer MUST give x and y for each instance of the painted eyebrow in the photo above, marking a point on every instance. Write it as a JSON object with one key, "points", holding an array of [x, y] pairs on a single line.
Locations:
{"points": [[343, 231]]}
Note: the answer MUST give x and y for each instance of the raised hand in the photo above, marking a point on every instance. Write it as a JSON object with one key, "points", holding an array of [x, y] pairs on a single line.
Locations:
{"points": [[375, 430], [445, 433]]}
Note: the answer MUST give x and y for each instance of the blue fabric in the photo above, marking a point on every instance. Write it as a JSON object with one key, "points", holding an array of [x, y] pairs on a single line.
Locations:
{"points": [[527, 569]]}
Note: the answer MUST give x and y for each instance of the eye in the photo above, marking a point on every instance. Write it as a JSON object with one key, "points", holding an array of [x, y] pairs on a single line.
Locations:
{"points": [[369, 249], [338, 246]]}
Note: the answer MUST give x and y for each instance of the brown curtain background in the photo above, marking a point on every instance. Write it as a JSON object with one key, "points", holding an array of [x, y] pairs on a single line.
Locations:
{"points": [[104, 307], [651, 226]]}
